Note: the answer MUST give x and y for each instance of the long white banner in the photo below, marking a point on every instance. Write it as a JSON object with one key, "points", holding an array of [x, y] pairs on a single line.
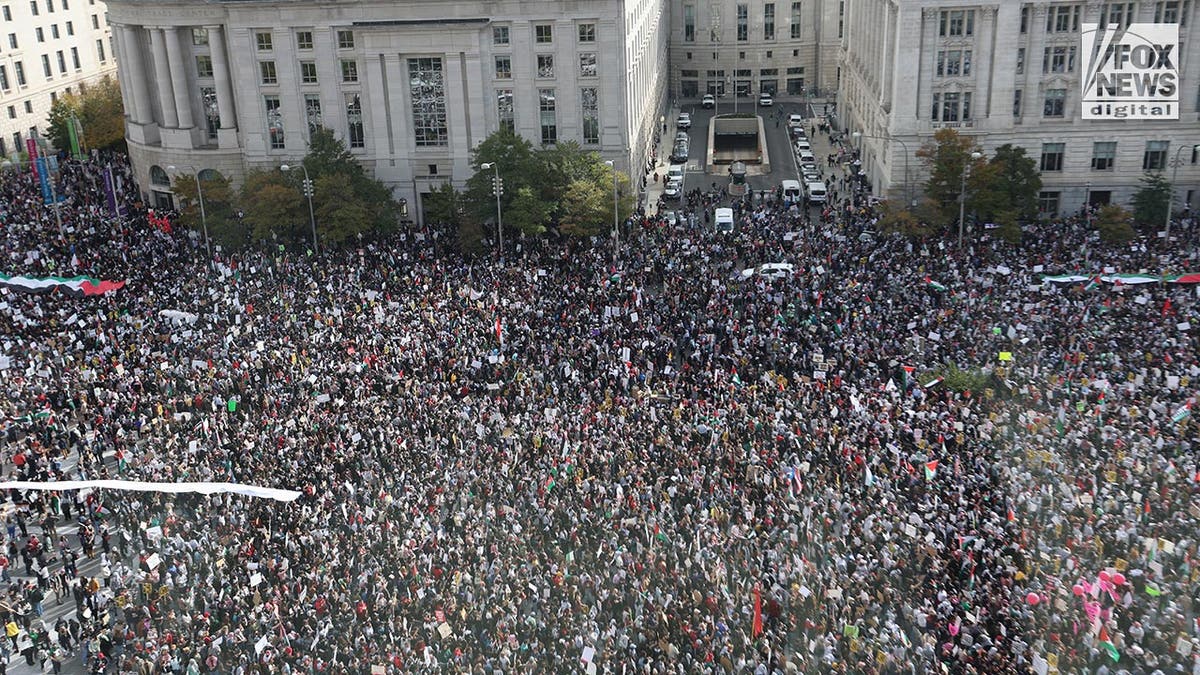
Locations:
{"points": [[140, 486]]}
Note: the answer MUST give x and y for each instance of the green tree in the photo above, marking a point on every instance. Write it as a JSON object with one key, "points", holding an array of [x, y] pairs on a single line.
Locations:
{"points": [[341, 214], [1114, 224], [519, 167], [220, 210], [100, 112], [527, 211], [946, 157], [274, 207], [896, 219], [1017, 181], [1151, 201], [443, 205], [584, 214]]}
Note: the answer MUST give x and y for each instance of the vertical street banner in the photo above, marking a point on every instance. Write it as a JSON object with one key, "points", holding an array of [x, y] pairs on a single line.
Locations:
{"points": [[73, 132], [110, 192], [31, 149], [43, 176]]}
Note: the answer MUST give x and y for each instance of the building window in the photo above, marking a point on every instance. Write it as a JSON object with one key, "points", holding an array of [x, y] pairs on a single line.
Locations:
{"points": [[427, 89], [587, 33], [1056, 100], [29, 109], [12, 40], [96, 22], [500, 35], [591, 115], [100, 51], [504, 110], [308, 72], [1171, 11], [1017, 103], [263, 41], [545, 65], [41, 36], [1063, 18], [46, 65], [796, 8], [954, 63], [957, 23], [1104, 155], [304, 40], [1059, 59], [19, 70], [204, 66], [70, 28], [199, 36], [267, 70], [689, 23], [75, 57], [312, 112], [212, 116], [1021, 61], [33, 7], [547, 117], [769, 21], [1116, 15], [543, 33], [354, 121], [587, 65], [274, 122], [345, 39], [1048, 203], [4, 77], [1155, 158], [7, 13], [503, 67], [743, 23], [1052, 156], [349, 70], [54, 31], [53, 97]]}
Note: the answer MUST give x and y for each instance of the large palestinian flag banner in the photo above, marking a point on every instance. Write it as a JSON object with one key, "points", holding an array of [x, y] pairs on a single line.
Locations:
{"points": [[74, 286]]}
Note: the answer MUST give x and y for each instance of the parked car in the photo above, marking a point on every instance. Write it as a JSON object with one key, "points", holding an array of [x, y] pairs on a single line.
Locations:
{"points": [[673, 192], [765, 99], [675, 174], [803, 145], [806, 157], [684, 121], [795, 121], [679, 153], [779, 270], [810, 173], [681, 136], [709, 101]]}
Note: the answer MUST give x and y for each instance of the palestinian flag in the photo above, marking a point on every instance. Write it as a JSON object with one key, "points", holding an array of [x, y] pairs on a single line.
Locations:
{"points": [[1107, 645], [1189, 278], [931, 469], [933, 284], [73, 286], [1184, 412]]}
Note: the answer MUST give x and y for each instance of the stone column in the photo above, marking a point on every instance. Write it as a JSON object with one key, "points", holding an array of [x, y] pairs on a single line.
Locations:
{"points": [[216, 45], [134, 64], [162, 79], [179, 88]]}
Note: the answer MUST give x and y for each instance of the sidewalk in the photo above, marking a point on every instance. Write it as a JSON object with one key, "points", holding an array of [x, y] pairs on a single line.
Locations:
{"points": [[654, 190]]}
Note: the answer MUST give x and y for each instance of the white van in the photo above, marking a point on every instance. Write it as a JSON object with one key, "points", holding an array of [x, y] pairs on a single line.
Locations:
{"points": [[724, 220], [816, 192], [791, 192], [675, 173], [806, 157]]}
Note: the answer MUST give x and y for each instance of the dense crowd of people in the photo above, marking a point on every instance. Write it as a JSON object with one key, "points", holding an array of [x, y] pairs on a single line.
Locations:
{"points": [[902, 458]]}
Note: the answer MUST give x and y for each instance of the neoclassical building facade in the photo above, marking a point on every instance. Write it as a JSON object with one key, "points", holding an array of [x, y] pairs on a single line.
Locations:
{"points": [[410, 87], [1009, 72]]}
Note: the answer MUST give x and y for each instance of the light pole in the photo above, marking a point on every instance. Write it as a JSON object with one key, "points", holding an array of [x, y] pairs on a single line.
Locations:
{"points": [[1087, 199], [308, 192], [498, 190], [616, 227], [1171, 191], [962, 197], [904, 146], [203, 217]]}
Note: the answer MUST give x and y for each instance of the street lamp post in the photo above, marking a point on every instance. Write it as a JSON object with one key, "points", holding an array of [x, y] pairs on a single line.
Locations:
{"points": [[616, 227], [907, 183], [203, 216], [962, 197], [308, 192], [498, 190], [1087, 203], [1171, 192]]}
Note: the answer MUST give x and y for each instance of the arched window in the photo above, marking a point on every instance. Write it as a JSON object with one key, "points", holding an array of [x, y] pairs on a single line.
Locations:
{"points": [[209, 174], [158, 176]]}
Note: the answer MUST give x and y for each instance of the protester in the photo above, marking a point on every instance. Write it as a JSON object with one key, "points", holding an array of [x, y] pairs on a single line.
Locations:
{"points": [[661, 465]]}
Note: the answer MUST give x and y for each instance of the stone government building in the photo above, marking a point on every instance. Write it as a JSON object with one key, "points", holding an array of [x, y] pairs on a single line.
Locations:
{"points": [[411, 87], [228, 85], [1009, 72]]}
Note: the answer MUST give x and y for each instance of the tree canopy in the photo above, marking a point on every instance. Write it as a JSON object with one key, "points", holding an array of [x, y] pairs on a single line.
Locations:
{"points": [[100, 112], [220, 209], [1152, 200]]}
